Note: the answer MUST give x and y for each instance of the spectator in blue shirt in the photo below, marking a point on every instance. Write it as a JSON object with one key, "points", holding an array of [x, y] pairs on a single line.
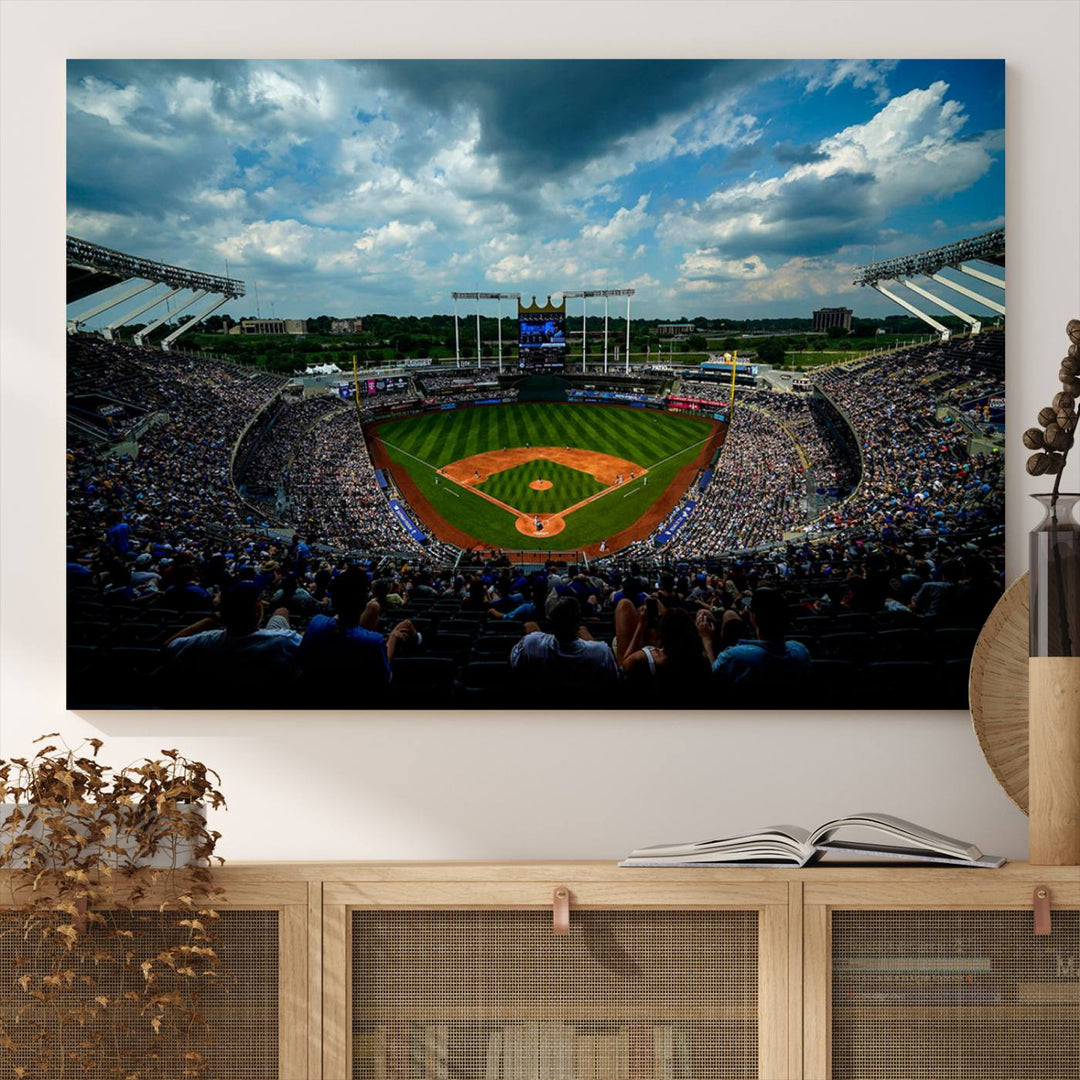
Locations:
{"points": [[118, 534], [344, 661], [766, 670]]}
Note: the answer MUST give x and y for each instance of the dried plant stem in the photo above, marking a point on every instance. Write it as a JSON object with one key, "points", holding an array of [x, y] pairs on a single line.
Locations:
{"points": [[1059, 575]]}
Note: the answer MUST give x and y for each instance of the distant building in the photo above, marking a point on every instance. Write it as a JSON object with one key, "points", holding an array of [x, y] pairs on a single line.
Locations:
{"points": [[270, 326], [827, 317], [346, 326], [676, 329]]}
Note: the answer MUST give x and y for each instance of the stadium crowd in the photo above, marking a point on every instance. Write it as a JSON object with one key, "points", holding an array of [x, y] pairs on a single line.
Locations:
{"points": [[333, 492], [180, 595], [260, 471], [278, 624]]}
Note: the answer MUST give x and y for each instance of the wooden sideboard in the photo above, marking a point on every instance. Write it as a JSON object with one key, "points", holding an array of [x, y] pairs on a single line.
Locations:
{"points": [[453, 969]]}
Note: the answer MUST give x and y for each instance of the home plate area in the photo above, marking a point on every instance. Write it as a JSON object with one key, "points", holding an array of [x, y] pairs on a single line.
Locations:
{"points": [[541, 485]]}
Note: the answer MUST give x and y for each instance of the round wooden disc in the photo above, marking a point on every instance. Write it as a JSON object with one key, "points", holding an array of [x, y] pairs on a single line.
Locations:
{"points": [[998, 691]]}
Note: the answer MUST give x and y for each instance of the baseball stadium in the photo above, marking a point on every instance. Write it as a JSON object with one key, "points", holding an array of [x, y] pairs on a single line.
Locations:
{"points": [[447, 512]]}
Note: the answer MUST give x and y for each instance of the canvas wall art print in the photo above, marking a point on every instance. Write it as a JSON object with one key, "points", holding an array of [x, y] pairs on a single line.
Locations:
{"points": [[533, 384]]}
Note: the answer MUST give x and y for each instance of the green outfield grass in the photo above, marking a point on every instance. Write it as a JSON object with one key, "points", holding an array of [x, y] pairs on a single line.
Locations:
{"points": [[569, 487], [661, 442]]}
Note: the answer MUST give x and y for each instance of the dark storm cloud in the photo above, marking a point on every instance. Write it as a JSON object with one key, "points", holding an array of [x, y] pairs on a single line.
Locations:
{"points": [[741, 157], [107, 171], [787, 153], [843, 196], [542, 118]]}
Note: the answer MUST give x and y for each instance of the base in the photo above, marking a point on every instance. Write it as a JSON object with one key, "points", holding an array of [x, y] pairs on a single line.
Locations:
{"points": [[1054, 760]]}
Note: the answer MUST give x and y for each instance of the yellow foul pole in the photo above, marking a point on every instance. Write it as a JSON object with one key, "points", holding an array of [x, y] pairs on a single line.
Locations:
{"points": [[731, 403], [356, 389]]}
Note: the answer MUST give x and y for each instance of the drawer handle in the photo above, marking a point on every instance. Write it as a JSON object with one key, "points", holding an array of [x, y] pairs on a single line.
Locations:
{"points": [[560, 911], [1040, 903]]}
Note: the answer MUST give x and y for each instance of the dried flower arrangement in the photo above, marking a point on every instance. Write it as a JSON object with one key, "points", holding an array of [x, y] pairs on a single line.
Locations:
{"points": [[1053, 440], [106, 914], [1052, 443]]}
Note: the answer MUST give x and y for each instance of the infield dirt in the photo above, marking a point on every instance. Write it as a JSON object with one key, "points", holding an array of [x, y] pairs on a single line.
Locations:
{"points": [[452, 534]]}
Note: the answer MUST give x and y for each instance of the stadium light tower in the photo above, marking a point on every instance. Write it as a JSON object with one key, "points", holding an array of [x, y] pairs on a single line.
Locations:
{"points": [[478, 296], [987, 248], [605, 293]]}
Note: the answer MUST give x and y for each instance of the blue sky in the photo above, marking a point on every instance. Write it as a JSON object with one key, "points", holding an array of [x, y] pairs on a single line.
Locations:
{"points": [[720, 188]]}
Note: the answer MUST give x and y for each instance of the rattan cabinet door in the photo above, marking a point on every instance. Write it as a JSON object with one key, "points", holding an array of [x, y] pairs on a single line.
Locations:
{"points": [[492, 993], [233, 1022], [944, 992]]}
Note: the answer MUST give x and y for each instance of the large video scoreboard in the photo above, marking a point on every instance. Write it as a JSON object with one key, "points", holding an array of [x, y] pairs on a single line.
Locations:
{"points": [[541, 336]]}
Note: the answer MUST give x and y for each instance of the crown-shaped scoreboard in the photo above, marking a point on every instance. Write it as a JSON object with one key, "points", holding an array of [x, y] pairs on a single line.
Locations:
{"points": [[542, 335]]}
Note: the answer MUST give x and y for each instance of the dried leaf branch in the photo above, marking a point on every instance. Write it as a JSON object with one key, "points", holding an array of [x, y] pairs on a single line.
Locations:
{"points": [[108, 914]]}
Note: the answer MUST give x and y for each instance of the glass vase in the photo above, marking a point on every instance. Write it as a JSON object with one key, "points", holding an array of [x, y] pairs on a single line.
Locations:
{"points": [[1054, 579]]}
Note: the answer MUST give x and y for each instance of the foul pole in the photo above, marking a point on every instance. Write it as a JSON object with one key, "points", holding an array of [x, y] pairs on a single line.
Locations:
{"points": [[731, 403], [356, 392], [457, 339]]}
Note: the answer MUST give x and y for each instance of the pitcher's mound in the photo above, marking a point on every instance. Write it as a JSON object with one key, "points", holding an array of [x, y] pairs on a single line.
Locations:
{"points": [[540, 485]]}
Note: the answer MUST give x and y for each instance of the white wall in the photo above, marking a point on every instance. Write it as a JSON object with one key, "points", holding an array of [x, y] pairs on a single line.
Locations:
{"points": [[521, 785]]}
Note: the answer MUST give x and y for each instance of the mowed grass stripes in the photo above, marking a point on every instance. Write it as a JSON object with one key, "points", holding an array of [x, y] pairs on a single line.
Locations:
{"points": [[568, 487], [661, 442], [639, 435]]}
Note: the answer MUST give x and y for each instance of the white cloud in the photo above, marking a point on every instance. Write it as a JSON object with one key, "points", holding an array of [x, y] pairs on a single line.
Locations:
{"points": [[709, 263], [625, 223], [801, 278], [907, 152], [393, 234], [862, 74], [99, 98]]}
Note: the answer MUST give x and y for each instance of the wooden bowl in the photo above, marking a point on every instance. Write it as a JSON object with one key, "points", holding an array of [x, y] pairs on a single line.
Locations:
{"points": [[998, 691]]}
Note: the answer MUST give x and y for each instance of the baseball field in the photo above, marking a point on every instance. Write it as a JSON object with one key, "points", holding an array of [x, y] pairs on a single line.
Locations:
{"points": [[543, 475]]}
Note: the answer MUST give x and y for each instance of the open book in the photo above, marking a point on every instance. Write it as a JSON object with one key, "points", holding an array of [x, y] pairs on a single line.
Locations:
{"points": [[864, 837]]}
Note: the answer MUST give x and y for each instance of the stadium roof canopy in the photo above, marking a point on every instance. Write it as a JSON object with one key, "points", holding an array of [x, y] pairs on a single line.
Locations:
{"points": [[91, 269], [986, 248]]}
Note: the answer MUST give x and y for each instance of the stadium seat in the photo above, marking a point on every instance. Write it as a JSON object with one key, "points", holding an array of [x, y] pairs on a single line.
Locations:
{"points": [[854, 620], [455, 646], [421, 681], [905, 684], [504, 626], [908, 644], [954, 682], [458, 626], [954, 643], [495, 644], [834, 684], [144, 633], [858, 648], [484, 674]]}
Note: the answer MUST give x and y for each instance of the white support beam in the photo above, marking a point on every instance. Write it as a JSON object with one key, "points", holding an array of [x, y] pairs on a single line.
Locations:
{"points": [[998, 283], [139, 286], [477, 331], [605, 333], [457, 337], [993, 305], [498, 323], [628, 295], [193, 322], [974, 323], [143, 334], [128, 316], [943, 330], [584, 330]]}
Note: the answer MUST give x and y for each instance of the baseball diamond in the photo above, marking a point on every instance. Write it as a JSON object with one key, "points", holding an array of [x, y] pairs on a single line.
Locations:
{"points": [[543, 475]]}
